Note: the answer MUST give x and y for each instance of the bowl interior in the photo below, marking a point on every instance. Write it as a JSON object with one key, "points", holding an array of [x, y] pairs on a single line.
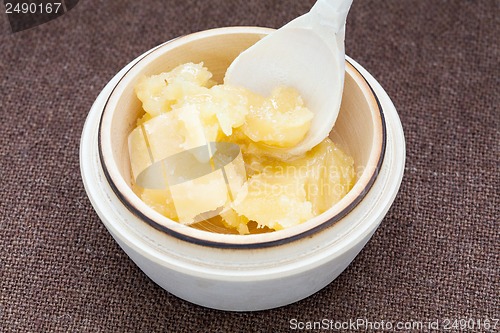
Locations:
{"points": [[359, 129]]}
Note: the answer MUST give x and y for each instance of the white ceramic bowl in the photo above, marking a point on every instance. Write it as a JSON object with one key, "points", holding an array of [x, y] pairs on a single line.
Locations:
{"points": [[235, 272]]}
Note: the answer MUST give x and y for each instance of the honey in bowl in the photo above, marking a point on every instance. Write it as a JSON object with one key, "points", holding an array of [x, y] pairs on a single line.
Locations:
{"points": [[180, 167]]}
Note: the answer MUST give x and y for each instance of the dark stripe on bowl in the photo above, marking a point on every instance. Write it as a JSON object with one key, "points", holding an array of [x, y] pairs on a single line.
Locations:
{"points": [[134, 210]]}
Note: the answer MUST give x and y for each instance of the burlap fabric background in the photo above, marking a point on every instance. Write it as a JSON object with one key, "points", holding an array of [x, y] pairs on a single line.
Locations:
{"points": [[435, 256]]}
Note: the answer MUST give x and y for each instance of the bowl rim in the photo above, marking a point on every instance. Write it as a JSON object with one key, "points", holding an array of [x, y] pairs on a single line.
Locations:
{"points": [[205, 238]]}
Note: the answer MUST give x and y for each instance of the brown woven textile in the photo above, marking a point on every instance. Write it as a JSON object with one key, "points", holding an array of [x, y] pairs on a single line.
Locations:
{"points": [[435, 256]]}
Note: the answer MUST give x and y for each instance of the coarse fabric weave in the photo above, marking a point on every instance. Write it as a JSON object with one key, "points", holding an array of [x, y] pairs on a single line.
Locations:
{"points": [[436, 254]]}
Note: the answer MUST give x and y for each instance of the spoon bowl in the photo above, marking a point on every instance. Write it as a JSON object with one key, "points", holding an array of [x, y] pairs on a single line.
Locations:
{"points": [[306, 54]]}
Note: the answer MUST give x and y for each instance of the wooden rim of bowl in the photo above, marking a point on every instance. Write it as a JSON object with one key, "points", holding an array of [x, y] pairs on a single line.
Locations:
{"points": [[205, 238]]}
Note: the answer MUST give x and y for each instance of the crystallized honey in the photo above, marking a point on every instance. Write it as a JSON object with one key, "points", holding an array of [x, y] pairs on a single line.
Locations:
{"points": [[261, 187]]}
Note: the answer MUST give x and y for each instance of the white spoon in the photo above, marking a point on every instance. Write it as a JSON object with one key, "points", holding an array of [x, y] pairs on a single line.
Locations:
{"points": [[306, 54]]}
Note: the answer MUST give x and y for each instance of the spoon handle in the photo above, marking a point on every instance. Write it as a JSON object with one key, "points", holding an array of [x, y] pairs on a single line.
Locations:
{"points": [[331, 13]]}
